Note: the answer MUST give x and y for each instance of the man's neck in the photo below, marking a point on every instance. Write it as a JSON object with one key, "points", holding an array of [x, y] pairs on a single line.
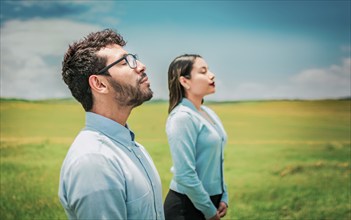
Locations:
{"points": [[116, 113]]}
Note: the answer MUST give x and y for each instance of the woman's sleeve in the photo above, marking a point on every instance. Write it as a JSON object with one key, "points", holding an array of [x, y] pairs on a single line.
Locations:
{"points": [[225, 195], [182, 133]]}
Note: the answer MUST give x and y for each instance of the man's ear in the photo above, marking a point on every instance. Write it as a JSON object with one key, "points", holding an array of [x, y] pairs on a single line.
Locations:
{"points": [[98, 83], [184, 82]]}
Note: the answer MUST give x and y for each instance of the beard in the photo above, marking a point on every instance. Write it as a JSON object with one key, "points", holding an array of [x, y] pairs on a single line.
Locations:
{"points": [[131, 95]]}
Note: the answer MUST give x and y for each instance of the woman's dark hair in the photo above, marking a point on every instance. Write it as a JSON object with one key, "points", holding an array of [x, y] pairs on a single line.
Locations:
{"points": [[81, 61], [180, 66]]}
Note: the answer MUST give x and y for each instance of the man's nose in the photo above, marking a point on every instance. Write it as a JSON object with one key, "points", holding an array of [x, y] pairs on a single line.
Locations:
{"points": [[140, 67]]}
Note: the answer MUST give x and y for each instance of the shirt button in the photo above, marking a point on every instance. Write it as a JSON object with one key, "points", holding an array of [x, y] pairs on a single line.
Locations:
{"points": [[139, 156]]}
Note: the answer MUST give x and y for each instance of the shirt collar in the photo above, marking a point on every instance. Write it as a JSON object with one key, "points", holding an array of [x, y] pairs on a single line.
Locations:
{"points": [[110, 128], [186, 102]]}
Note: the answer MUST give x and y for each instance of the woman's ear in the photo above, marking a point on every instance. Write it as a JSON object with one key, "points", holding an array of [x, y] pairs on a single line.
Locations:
{"points": [[98, 83], [184, 82]]}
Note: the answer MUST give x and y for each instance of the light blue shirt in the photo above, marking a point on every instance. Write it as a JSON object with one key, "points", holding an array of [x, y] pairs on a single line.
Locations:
{"points": [[197, 149], [107, 175]]}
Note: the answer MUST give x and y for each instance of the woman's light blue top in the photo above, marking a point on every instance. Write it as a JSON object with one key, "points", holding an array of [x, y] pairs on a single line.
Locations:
{"points": [[197, 152], [107, 175]]}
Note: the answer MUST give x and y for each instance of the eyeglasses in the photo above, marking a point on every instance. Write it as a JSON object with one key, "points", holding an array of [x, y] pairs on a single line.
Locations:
{"points": [[131, 59]]}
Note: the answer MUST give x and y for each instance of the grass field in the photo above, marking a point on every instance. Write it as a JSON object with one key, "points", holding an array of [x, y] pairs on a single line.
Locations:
{"points": [[284, 159]]}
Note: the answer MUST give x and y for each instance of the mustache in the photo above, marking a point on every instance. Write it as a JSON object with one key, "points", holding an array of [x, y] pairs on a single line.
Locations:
{"points": [[143, 75]]}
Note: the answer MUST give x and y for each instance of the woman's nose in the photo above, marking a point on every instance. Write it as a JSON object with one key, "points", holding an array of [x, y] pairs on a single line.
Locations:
{"points": [[212, 75]]}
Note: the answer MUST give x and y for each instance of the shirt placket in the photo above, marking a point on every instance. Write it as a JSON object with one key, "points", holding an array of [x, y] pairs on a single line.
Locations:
{"points": [[219, 131], [150, 175]]}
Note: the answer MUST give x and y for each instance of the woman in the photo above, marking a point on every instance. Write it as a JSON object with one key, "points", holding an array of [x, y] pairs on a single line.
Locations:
{"points": [[196, 138]]}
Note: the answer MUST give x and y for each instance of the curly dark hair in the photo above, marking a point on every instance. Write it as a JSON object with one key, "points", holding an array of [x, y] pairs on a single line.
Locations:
{"points": [[81, 61]]}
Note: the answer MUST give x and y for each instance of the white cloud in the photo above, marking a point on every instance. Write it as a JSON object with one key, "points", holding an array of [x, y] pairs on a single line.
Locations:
{"points": [[331, 82], [333, 76], [31, 56]]}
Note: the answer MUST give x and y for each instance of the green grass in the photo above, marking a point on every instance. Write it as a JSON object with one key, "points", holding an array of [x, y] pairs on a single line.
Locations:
{"points": [[283, 160]]}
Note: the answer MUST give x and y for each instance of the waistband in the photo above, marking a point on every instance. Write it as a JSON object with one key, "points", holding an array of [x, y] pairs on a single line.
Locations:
{"points": [[216, 199]]}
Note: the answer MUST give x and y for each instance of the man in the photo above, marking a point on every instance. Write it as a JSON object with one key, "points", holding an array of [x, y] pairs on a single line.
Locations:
{"points": [[106, 174]]}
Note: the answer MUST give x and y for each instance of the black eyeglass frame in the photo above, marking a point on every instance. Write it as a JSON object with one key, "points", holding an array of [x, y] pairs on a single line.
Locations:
{"points": [[103, 70]]}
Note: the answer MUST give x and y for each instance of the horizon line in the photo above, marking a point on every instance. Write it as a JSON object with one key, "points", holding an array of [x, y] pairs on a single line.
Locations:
{"points": [[166, 100]]}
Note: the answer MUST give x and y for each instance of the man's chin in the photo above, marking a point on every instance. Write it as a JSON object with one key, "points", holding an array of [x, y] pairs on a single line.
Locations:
{"points": [[146, 97], [149, 96]]}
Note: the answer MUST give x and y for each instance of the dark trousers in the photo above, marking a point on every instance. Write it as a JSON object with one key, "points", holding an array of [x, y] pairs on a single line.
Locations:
{"points": [[179, 207]]}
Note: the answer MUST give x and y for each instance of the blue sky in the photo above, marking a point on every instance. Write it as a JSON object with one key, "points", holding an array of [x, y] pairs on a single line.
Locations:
{"points": [[257, 49]]}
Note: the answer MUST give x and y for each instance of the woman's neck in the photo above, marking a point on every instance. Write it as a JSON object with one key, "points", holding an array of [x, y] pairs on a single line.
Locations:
{"points": [[196, 100]]}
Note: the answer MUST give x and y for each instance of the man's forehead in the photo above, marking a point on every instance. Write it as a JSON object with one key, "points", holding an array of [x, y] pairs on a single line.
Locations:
{"points": [[113, 50]]}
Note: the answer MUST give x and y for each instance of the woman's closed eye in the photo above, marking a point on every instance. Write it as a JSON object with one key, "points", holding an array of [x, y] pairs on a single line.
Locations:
{"points": [[203, 70]]}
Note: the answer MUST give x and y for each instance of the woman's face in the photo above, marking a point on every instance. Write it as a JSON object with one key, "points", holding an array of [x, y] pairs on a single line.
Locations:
{"points": [[202, 81]]}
